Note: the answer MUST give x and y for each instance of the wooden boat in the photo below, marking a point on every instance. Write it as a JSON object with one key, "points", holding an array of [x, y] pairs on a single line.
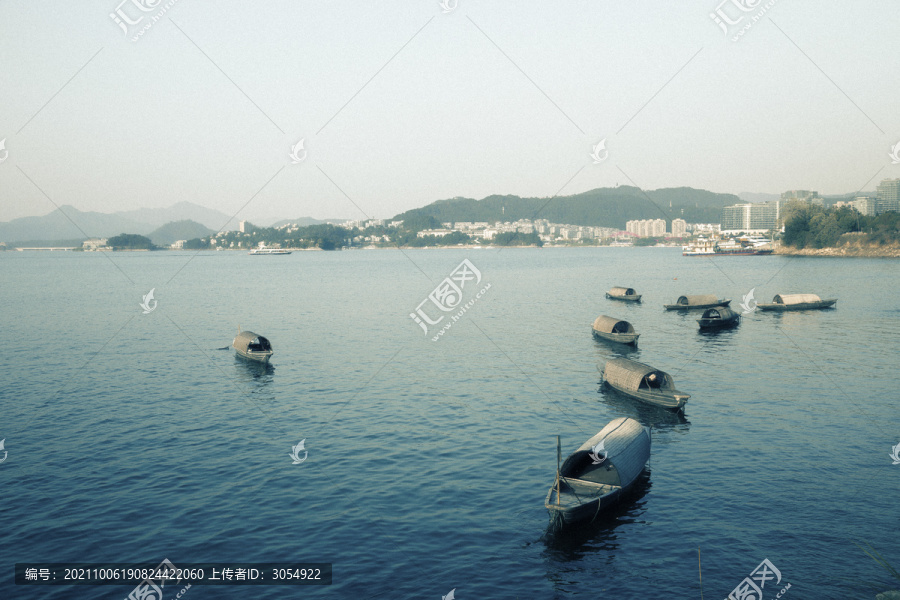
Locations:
{"points": [[702, 301], [252, 346], [614, 330], [782, 302], [718, 318], [625, 294], [643, 383], [597, 474]]}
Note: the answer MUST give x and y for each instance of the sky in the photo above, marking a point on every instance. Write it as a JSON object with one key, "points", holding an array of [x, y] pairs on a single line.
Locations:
{"points": [[399, 104]]}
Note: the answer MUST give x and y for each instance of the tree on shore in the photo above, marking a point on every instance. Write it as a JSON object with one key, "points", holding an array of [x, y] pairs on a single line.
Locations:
{"points": [[130, 241], [811, 226]]}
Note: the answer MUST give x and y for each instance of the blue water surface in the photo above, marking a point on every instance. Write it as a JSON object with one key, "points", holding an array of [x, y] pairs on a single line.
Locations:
{"points": [[133, 437]]}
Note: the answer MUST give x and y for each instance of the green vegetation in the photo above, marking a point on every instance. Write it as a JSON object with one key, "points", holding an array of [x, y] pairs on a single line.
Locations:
{"points": [[171, 232], [130, 241], [517, 239], [411, 239], [811, 226], [649, 241], [197, 244], [603, 207], [326, 237]]}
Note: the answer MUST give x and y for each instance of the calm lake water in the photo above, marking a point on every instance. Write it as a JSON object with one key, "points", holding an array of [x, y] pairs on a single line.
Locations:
{"points": [[131, 437]]}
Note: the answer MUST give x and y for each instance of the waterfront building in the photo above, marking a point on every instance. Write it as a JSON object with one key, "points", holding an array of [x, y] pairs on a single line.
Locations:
{"points": [[888, 196], [865, 205], [647, 227], [810, 196], [759, 217], [94, 243]]}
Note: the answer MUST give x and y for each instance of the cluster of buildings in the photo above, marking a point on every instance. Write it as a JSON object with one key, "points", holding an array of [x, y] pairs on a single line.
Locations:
{"points": [[547, 231], [95, 244], [550, 232], [657, 228], [760, 217], [766, 216], [886, 198]]}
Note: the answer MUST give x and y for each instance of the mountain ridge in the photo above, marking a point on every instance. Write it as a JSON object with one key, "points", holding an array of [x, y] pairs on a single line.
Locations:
{"points": [[600, 207]]}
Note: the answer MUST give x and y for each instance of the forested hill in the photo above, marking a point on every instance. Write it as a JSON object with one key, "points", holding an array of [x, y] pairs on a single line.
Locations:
{"points": [[602, 207]]}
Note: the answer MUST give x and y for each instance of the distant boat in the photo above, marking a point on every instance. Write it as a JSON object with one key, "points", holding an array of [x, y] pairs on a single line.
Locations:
{"points": [[614, 330], [623, 293], [596, 475], [745, 246], [263, 250], [783, 302], [252, 346], [718, 318], [643, 382], [697, 302]]}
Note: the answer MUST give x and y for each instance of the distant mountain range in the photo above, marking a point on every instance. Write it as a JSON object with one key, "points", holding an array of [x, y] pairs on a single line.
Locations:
{"points": [[170, 233], [301, 222], [602, 207], [828, 199], [163, 226]]}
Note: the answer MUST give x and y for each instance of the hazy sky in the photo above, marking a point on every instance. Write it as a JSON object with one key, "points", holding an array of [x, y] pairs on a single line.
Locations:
{"points": [[400, 104]]}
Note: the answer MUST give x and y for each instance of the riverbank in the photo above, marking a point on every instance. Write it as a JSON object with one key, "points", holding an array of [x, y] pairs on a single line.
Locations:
{"points": [[846, 251]]}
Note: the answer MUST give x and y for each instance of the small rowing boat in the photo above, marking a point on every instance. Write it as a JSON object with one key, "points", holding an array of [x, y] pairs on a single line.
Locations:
{"points": [[599, 473]]}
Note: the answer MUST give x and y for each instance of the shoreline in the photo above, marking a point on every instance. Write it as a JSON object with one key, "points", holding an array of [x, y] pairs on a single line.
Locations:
{"points": [[848, 251]]}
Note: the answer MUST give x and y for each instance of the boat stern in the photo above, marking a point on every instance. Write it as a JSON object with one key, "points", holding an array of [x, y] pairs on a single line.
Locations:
{"points": [[680, 399]]}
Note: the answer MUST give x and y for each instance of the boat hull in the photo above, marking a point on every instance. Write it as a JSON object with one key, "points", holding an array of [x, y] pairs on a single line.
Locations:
{"points": [[719, 323], [696, 306], [262, 357], [579, 506], [671, 401], [635, 298], [801, 306], [741, 252], [630, 339]]}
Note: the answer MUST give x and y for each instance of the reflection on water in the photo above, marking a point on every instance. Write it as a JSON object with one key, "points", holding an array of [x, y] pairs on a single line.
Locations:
{"points": [[618, 350], [718, 339], [655, 417], [719, 332], [253, 373], [796, 317]]}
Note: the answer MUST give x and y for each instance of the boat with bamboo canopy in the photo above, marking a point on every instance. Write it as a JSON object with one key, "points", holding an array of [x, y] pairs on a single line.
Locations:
{"points": [[718, 318], [252, 346], [625, 294], [702, 301], [643, 382], [599, 472], [614, 330], [783, 302]]}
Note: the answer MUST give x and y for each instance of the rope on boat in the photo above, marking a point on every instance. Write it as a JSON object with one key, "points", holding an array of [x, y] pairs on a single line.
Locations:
{"points": [[598, 511]]}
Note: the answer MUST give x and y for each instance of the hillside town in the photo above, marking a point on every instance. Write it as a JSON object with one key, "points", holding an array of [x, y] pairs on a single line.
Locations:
{"points": [[760, 218]]}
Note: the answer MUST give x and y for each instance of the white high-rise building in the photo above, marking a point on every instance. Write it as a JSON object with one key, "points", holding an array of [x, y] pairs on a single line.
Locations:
{"points": [[888, 196], [647, 227]]}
